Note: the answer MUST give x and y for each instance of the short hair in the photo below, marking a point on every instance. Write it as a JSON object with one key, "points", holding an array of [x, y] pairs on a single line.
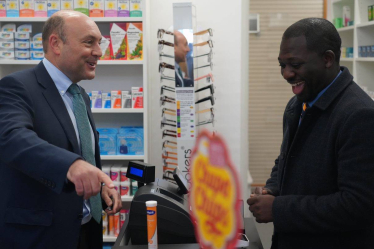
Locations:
{"points": [[54, 24], [320, 34]]}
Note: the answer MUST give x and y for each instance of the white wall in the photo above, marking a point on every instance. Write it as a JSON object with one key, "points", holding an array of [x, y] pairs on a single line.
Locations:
{"points": [[229, 20]]}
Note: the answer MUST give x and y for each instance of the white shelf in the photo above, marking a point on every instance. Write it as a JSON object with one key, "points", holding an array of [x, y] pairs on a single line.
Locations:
{"points": [[369, 59], [100, 62], [118, 157], [107, 238], [122, 110], [345, 28], [366, 24], [126, 198], [346, 59], [96, 19]]}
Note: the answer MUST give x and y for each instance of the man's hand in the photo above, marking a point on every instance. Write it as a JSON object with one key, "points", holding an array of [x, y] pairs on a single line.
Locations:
{"points": [[260, 191], [112, 199], [87, 179], [261, 207]]}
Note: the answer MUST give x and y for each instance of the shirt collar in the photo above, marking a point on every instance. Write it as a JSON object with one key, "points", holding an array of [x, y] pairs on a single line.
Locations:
{"points": [[61, 81], [311, 103]]}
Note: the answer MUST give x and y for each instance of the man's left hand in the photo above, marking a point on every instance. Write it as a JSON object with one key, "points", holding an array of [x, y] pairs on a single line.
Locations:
{"points": [[112, 199], [261, 207]]}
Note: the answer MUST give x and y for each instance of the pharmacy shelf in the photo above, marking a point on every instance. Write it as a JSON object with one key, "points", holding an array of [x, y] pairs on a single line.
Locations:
{"points": [[121, 110], [96, 19], [126, 198], [368, 59], [366, 24], [345, 29], [100, 62], [117, 157], [347, 59], [109, 238]]}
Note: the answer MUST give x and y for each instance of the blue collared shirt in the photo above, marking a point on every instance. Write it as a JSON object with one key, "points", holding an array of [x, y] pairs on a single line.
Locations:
{"points": [[62, 83]]}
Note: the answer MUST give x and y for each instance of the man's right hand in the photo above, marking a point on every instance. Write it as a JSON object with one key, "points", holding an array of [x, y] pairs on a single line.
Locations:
{"points": [[87, 178]]}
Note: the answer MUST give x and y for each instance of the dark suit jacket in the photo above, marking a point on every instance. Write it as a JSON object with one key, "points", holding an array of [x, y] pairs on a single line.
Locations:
{"points": [[323, 179], [37, 146], [185, 83]]}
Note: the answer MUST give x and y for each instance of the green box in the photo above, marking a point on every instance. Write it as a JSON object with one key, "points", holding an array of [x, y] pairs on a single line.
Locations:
{"points": [[338, 23], [370, 13]]}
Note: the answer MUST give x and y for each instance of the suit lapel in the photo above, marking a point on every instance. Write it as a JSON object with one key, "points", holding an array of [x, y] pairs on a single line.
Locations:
{"points": [[56, 103]]}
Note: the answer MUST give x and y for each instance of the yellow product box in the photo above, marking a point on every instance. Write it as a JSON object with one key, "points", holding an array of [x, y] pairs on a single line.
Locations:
{"points": [[96, 8], [81, 6], [26, 8], [67, 4], [40, 8]]}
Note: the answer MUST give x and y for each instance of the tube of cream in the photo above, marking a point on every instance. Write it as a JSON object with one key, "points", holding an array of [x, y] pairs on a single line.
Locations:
{"points": [[152, 224]]}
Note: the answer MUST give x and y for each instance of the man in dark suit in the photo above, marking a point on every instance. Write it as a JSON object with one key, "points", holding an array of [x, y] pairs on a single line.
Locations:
{"points": [[321, 190], [49, 183]]}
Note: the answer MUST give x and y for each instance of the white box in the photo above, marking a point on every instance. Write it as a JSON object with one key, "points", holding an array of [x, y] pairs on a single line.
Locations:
{"points": [[346, 15], [137, 97]]}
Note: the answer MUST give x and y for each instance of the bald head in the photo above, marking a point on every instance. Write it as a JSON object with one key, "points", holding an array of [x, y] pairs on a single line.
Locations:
{"points": [[56, 24], [180, 47]]}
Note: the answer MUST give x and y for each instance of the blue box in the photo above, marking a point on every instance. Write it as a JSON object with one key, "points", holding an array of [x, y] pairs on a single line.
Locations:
{"points": [[130, 141], [107, 130], [107, 144]]}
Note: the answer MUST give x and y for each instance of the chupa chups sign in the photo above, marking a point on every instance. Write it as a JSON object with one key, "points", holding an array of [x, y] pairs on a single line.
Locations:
{"points": [[214, 194]]}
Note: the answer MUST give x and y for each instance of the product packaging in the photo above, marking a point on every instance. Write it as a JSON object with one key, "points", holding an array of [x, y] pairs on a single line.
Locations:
{"points": [[116, 99], [2, 8], [10, 27], [152, 224], [36, 55], [96, 8], [346, 15], [7, 36], [97, 101], [110, 8], [107, 143], [123, 173], [12, 9], [81, 6], [134, 187], [126, 99], [117, 186], [67, 5], [125, 188], [22, 55], [105, 48], [22, 36], [106, 169], [133, 138], [118, 41], [26, 8], [106, 100], [122, 218], [6, 54], [22, 45], [111, 225], [136, 8], [137, 97], [123, 8], [116, 224], [25, 28], [40, 8], [370, 13], [134, 41], [115, 173], [52, 7]]}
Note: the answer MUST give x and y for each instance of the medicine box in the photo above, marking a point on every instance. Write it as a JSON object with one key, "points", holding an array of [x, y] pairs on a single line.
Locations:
{"points": [[12, 9], [96, 100], [81, 6], [6, 55], [123, 8], [96, 8], [52, 7], [2, 8], [106, 100], [26, 8], [40, 8], [134, 41], [110, 8], [133, 138], [25, 28], [118, 41], [137, 97], [6, 36], [116, 99], [105, 48], [136, 8], [10, 27], [126, 99], [107, 143], [22, 36], [36, 55], [346, 15], [67, 5]]}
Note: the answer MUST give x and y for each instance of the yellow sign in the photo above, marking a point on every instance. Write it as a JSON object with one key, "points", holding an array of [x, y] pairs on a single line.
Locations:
{"points": [[214, 194]]}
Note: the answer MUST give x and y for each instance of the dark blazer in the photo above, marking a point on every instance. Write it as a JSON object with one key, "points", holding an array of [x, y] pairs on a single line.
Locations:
{"points": [[38, 209], [323, 179], [185, 83]]}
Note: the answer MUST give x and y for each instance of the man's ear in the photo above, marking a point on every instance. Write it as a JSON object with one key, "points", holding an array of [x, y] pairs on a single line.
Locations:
{"points": [[55, 44], [329, 58]]}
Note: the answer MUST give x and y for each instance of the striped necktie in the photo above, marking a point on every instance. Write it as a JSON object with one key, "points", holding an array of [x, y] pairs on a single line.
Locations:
{"points": [[84, 130]]}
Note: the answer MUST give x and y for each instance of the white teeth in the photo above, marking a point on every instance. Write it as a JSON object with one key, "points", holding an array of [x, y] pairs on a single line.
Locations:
{"points": [[297, 84]]}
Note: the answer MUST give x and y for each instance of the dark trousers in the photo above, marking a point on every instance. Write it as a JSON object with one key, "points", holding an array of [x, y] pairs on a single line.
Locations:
{"points": [[91, 235]]}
